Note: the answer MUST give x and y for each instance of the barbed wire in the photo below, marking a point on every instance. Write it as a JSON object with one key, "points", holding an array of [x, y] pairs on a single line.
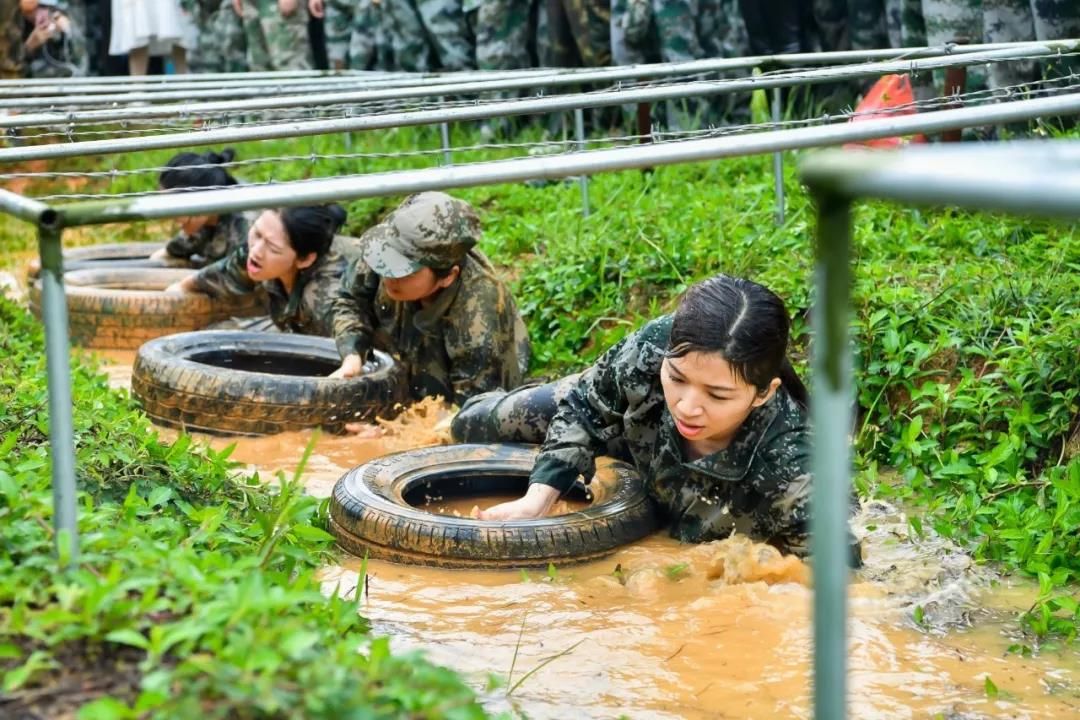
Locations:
{"points": [[1036, 88], [270, 116]]}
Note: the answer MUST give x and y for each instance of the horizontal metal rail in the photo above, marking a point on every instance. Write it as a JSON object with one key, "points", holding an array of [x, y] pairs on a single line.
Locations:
{"points": [[26, 208], [551, 104], [479, 83], [559, 166], [162, 82], [1041, 177]]}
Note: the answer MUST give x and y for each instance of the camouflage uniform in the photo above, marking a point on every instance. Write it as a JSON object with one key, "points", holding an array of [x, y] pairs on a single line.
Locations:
{"points": [[937, 22], [208, 56], [275, 42], [1017, 20], [759, 485], [579, 32], [11, 40], [62, 56], [354, 34], [502, 33], [308, 309], [213, 242], [468, 339], [429, 35], [857, 24]]}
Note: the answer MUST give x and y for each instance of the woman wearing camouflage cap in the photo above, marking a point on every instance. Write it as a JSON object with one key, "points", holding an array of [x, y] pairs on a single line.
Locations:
{"points": [[703, 402], [425, 294]]}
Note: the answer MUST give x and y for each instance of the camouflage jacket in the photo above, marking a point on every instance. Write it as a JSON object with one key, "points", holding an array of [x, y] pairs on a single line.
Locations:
{"points": [[469, 340], [759, 485], [213, 242], [62, 56], [308, 309]]}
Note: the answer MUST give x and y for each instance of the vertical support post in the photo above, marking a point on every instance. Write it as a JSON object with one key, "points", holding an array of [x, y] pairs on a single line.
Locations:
{"points": [[444, 133], [644, 128], [778, 161], [61, 427], [831, 456], [955, 82], [579, 133]]}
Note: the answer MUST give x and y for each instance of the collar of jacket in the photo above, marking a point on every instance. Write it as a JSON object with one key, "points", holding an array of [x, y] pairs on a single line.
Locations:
{"points": [[294, 298], [428, 317], [733, 462]]}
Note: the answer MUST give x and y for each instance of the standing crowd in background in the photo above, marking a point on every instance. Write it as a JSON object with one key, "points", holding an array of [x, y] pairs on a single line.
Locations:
{"points": [[62, 38]]}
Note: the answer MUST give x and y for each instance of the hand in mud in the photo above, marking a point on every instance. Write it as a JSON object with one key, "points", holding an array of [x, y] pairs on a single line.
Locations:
{"points": [[365, 431], [351, 366], [537, 501]]}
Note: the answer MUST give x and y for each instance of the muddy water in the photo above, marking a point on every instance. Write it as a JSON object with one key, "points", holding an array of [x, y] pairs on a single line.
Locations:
{"points": [[662, 630]]}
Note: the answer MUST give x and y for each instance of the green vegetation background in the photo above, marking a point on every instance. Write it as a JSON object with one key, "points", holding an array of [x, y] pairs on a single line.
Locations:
{"points": [[200, 588]]}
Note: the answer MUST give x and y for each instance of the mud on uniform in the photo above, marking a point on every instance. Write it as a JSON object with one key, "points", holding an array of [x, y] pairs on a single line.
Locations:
{"points": [[470, 339], [213, 242], [306, 310], [759, 485]]}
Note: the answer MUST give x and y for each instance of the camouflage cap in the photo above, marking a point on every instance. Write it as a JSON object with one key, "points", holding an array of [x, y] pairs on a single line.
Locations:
{"points": [[429, 229]]}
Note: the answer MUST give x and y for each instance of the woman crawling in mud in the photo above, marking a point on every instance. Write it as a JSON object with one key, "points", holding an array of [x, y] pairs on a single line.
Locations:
{"points": [[297, 259], [703, 402]]}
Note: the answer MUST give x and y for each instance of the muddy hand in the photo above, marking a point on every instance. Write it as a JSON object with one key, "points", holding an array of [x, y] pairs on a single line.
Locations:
{"points": [[365, 431], [537, 501], [351, 366]]}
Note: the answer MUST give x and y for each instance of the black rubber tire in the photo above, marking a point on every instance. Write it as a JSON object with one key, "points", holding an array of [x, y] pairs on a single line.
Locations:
{"points": [[369, 512], [176, 389], [112, 255], [122, 308]]}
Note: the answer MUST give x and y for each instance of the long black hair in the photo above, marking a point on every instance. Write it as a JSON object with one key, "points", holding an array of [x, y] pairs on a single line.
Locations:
{"points": [[194, 170], [744, 322], [311, 228]]}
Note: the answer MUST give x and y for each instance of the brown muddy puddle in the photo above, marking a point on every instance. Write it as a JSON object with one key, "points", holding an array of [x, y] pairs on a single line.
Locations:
{"points": [[663, 630]]}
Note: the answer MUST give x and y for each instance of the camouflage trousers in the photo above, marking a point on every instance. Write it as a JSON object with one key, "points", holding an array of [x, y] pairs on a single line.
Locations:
{"points": [[937, 22], [857, 24], [11, 41], [427, 35], [579, 32], [1017, 20], [521, 415], [355, 37], [274, 42], [505, 32]]}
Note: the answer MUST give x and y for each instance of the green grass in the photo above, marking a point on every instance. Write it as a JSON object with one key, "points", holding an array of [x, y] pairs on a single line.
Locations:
{"points": [[195, 595], [966, 333]]}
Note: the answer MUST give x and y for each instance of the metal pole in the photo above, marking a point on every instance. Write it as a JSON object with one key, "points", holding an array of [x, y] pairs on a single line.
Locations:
{"points": [[505, 81], [61, 427], [778, 161], [248, 197], [485, 111], [579, 133], [444, 133], [831, 456]]}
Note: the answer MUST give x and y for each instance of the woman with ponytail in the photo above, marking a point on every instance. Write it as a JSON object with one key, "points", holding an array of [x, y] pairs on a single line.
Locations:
{"points": [[703, 402], [203, 238], [292, 254]]}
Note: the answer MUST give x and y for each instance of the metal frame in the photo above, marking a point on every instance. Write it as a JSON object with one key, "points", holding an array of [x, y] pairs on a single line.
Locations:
{"points": [[1026, 177], [835, 178], [490, 110], [398, 87]]}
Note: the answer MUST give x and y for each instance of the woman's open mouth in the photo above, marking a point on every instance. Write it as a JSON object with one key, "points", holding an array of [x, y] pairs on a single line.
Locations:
{"points": [[687, 430], [253, 266]]}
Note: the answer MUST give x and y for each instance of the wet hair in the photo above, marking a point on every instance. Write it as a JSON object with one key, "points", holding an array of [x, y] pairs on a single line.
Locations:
{"points": [[744, 322], [194, 170], [311, 228]]}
